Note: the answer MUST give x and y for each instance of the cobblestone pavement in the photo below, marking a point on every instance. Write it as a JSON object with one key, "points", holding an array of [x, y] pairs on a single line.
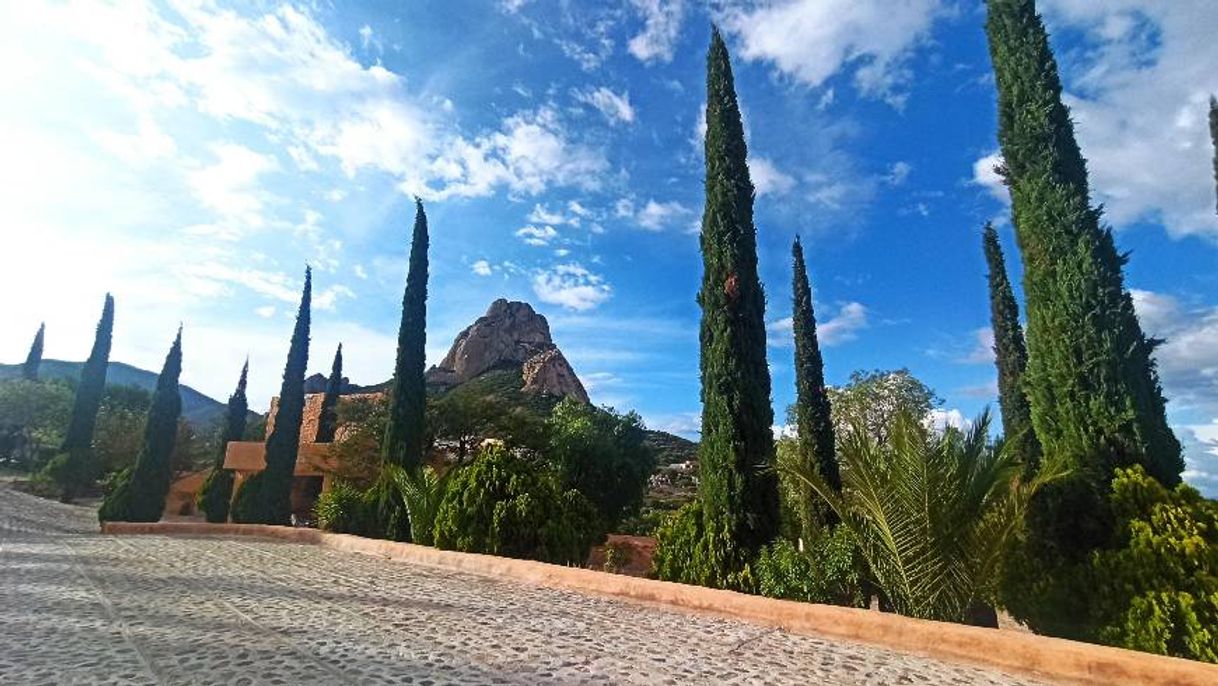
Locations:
{"points": [[78, 607]]}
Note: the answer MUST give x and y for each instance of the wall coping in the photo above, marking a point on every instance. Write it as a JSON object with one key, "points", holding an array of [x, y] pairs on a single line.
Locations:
{"points": [[1043, 657]]}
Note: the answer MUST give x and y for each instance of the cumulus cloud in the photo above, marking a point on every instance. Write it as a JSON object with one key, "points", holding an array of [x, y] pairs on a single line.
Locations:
{"points": [[661, 27], [481, 268], [534, 235], [842, 327], [571, 286], [1188, 368], [615, 107], [767, 178], [983, 348], [655, 216], [811, 40]]}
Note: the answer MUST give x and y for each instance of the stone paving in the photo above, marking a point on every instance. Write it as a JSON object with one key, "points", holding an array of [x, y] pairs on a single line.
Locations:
{"points": [[80, 608]]}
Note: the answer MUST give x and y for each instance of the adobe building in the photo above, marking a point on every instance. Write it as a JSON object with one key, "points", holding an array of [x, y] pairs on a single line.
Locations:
{"points": [[315, 466]]}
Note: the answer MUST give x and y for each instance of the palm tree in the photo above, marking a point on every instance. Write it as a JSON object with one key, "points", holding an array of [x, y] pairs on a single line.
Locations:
{"points": [[933, 512], [421, 489]]}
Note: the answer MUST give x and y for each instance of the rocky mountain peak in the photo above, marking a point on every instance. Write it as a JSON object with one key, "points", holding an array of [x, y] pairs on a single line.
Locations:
{"points": [[510, 334]]}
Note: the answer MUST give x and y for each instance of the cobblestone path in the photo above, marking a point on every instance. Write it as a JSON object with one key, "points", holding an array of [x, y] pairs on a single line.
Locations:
{"points": [[80, 608]]}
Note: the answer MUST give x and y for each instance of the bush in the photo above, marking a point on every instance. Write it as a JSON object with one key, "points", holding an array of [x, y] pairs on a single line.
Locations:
{"points": [[829, 571], [1157, 590], [687, 553], [504, 504], [346, 509]]}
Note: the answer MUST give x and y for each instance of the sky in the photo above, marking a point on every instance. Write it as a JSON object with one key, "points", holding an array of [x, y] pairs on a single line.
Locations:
{"points": [[192, 157]]}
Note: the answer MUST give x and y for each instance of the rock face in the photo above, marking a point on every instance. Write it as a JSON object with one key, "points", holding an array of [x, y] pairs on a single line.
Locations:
{"points": [[510, 334]]}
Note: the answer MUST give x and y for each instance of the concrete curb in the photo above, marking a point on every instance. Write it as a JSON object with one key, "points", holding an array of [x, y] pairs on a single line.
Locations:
{"points": [[1038, 656]]}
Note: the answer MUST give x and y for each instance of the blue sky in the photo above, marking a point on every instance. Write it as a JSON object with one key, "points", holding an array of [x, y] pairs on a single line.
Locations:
{"points": [[192, 157]]}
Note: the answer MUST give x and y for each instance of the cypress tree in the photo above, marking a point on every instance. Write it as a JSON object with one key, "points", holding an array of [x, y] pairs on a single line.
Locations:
{"points": [[265, 497], [404, 434], [327, 420], [1214, 138], [1091, 379], [737, 489], [74, 471], [1010, 355], [813, 419], [140, 493], [29, 369], [217, 490]]}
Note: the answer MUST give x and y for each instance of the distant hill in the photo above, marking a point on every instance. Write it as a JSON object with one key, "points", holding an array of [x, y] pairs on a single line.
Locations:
{"points": [[198, 409]]}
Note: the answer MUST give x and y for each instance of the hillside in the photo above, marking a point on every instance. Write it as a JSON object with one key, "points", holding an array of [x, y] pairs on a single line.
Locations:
{"points": [[200, 410]]}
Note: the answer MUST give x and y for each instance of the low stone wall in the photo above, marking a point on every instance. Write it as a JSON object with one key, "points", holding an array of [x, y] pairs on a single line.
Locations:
{"points": [[1047, 658]]}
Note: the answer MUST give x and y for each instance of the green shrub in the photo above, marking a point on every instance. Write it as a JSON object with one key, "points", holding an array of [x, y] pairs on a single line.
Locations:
{"points": [[828, 571], [346, 509], [688, 554], [504, 504], [1157, 590]]}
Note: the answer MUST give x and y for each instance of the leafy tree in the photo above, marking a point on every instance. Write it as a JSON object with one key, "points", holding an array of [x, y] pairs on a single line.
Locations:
{"points": [[217, 491], [932, 513], [405, 433], [357, 458], [504, 504], [140, 494], [75, 469], [1010, 355], [327, 420], [1095, 395], [813, 416], [738, 492], [29, 369], [1214, 136], [265, 497], [33, 416], [871, 400], [601, 454], [119, 434]]}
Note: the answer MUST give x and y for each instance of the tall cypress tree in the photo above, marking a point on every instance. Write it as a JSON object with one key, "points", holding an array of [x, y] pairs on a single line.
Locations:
{"points": [[75, 470], [327, 420], [29, 370], [737, 490], [813, 419], [1010, 355], [404, 435], [1214, 139], [1091, 379], [140, 493], [265, 497], [217, 491]]}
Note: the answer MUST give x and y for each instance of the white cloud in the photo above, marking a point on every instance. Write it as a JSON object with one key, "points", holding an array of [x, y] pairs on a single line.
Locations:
{"points": [[571, 286], [767, 178], [983, 349], [842, 327], [654, 216], [616, 107], [1188, 368], [531, 152], [811, 40], [481, 268], [266, 311], [985, 174], [940, 419], [898, 173], [230, 185], [661, 28], [534, 235]]}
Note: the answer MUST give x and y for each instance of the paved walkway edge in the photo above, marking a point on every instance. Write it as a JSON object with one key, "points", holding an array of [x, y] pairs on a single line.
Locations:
{"points": [[1039, 656]]}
